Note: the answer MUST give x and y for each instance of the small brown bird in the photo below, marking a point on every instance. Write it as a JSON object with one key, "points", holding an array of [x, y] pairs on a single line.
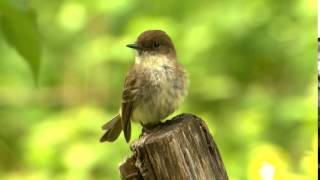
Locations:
{"points": [[153, 88]]}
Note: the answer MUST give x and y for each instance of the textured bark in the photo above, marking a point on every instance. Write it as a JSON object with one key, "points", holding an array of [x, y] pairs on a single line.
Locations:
{"points": [[179, 149]]}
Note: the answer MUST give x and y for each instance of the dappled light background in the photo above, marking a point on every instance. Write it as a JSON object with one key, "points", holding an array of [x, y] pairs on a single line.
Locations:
{"points": [[252, 69]]}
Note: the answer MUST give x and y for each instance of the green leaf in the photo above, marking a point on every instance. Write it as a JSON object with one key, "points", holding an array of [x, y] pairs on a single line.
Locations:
{"points": [[18, 24]]}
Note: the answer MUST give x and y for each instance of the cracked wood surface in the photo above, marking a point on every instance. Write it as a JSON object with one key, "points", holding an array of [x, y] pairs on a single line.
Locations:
{"points": [[178, 149]]}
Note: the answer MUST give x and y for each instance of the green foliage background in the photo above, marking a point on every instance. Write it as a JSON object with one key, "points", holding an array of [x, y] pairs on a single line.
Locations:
{"points": [[251, 63]]}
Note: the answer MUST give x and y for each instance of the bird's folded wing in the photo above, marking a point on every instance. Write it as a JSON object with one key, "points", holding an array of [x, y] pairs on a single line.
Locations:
{"points": [[129, 95]]}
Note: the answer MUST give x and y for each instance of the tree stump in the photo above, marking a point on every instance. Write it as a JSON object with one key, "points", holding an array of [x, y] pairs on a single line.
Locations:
{"points": [[179, 149]]}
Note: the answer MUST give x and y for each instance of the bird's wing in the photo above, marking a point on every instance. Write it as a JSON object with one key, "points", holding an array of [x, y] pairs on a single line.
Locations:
{"points": [[129, 95]]}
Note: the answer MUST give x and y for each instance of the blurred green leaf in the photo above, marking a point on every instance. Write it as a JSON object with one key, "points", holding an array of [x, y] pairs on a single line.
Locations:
{"points": [[18, 24]]}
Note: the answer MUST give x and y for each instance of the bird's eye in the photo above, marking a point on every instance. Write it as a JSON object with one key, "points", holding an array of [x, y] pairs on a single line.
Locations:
{"points": [[156, 44]]}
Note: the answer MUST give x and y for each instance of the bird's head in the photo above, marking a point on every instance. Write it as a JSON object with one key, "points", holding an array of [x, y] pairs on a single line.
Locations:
{"points": [[154, 43]]}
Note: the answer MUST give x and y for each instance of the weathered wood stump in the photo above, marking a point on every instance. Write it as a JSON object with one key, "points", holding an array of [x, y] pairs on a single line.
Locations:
{"points": [[179, 149]]}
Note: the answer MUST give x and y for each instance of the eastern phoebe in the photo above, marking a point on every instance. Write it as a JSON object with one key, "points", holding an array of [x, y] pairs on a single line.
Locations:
{"points": [[153, 88]]}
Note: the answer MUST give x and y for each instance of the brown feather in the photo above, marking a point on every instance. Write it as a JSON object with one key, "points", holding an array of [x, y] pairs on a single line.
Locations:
{"points": [[113, 128], [129, 95], [111, 123]]}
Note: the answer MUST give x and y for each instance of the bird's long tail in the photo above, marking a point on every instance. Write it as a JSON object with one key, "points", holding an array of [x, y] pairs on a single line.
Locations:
{"points": [[113, 129]]}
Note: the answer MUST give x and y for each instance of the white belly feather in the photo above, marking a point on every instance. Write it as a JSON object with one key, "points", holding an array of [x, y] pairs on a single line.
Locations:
{"points": [[161, 97]]}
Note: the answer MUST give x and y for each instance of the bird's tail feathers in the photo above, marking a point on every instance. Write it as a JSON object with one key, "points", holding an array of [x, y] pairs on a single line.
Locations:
{"points": [[113, 129]]}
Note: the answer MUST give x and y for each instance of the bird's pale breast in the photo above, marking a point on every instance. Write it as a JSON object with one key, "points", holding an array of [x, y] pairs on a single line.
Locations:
{"points": [[162, 90]]}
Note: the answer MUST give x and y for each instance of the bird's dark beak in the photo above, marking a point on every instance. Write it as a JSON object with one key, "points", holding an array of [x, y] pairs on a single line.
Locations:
{"points": [[133, 46]]}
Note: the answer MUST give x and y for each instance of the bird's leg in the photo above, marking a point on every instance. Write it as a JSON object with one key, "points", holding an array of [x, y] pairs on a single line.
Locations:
{"points": [[147, 128]]}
